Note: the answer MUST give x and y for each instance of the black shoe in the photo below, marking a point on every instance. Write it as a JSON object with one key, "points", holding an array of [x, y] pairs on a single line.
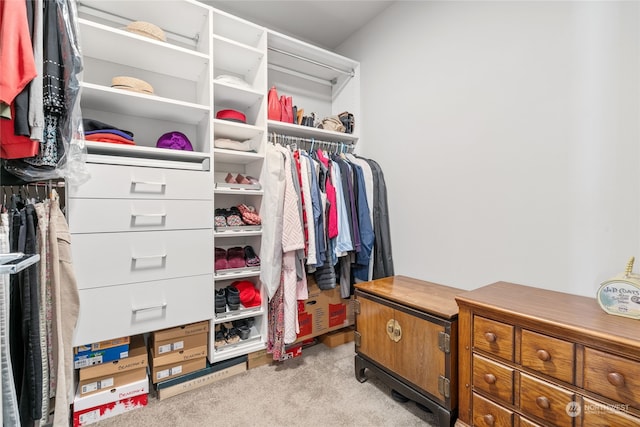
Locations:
{"points": [[221, 300], [233, 298]]}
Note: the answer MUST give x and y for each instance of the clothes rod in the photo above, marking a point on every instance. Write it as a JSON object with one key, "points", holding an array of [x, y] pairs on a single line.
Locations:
{"points": [[288, 139], [350, 73], [302, 75]]}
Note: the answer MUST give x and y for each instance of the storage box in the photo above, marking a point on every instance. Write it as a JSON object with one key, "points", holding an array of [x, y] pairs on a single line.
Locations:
{"points": [[94, 385], [291, 352], [178, 356], [108, 410], [323, 311], [91, 357], [102, 345], [339, 337], [172, 370], [181, 331], [176, 344], [138, 358], [259, 358], [112, 395]]}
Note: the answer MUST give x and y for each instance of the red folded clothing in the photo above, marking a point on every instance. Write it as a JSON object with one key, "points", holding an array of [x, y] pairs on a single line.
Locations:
{"points": [[108, 137]]}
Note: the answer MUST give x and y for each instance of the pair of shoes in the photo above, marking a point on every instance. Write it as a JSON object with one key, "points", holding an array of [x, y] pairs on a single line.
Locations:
{"points": [[229, 258], [244, 327], [241, 179], [249, 295], [249, 214], [228, 217], [226, 333], [233, 298]]}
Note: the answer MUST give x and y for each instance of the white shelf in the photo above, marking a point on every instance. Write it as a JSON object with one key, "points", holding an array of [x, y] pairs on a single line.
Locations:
{"points": [[237, 29], [309, 132], [235, 57], [123, 47], [236, 131], [103, 98], [237, 233], [237, 98], [146, 152]]}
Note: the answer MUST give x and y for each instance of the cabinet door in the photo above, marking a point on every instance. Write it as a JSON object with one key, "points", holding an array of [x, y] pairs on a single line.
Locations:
{"points": [[417, 356], [371, 324]]}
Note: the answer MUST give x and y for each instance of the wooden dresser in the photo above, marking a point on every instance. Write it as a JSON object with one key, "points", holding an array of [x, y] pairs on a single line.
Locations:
{"points": [[532, 357], [406, 333]]}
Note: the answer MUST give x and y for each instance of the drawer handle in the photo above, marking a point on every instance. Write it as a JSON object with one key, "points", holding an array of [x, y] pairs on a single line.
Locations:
{"points": [[543, 402], [490, 336], [136, 258], [615, 379], [161, 184], [490, 378], [543, 355], [489, 419], [161, 306], [161, 215]]}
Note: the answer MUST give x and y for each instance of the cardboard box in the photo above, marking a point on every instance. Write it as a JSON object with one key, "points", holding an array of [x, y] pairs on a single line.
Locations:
{"points": [[339, 337], [181, 331], [138, 358], [102, 345], [323, 311], [112, 395], [178, 356], [165, 372], [172, 344], [259, 358], [201, 381], [94, 385], [108, 410], [90, 357], [291, 352]]}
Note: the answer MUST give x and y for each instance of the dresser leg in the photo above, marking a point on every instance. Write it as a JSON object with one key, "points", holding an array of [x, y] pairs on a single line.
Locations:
{"points": [[359, 366]]}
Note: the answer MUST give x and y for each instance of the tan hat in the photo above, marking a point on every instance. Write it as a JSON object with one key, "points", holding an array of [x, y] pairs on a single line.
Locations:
{"points": [[147, 29], [132, 84]]}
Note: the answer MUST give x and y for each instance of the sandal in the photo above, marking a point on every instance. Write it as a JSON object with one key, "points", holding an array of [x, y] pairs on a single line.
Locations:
{"points": [[250, 257], [229, 179], [234, 217], [220, 339], [249, 214], [231, 334]]}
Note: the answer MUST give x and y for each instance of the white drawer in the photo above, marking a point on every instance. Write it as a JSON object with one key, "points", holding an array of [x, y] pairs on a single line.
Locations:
{"points": [[112, 215], [115, 181], [104, 259], [119, 311]]}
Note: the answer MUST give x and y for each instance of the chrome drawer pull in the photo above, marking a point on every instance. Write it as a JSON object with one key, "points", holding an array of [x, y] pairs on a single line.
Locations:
{"points": [[136, 258], [161, 184], [615, 379], [151, 307]]}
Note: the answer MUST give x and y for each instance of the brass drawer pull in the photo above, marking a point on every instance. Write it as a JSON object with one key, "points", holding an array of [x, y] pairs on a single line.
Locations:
{"points": [[490, 336], [543, 402], [615, 379], [543, 355], [489, 419], [490, 378]]}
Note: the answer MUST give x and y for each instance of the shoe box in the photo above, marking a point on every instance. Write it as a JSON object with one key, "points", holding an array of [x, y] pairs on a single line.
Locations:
{"points": [[323, 311], [108, 403], [178, 351], [101, 352]]}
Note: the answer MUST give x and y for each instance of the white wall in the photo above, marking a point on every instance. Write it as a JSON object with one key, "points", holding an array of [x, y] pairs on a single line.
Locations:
{"points": [[508, 133]]}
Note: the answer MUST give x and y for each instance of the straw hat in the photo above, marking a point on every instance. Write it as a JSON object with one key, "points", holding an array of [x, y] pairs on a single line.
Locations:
{"points": [[132, 84], [147, 29]]}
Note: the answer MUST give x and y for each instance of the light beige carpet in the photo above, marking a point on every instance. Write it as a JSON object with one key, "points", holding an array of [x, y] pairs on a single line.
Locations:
{"points": [[318, 388]]}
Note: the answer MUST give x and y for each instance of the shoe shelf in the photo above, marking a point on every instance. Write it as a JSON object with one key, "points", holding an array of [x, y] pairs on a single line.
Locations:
{"points": [[240, 346], [239, 132], [237, 273], [241, 313]]}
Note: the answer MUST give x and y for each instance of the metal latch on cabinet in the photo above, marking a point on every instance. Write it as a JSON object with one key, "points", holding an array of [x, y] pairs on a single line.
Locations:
{"points": [[356, 306], [444, 342], [444, 386], [357, 338]]}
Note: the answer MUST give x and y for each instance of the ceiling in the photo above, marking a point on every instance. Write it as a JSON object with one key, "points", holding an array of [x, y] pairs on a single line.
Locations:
{"points": [[323, 23]]}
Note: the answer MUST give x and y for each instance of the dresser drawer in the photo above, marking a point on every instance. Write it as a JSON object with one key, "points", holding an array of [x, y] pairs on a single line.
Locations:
{"points": [[124, 310], [551, 356], [612, 376], [545, 400], [489, 414], [595, 414], [528, 423], [115, 181], [493, 378], [104, 259], [113, 215], [493, 337]]}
